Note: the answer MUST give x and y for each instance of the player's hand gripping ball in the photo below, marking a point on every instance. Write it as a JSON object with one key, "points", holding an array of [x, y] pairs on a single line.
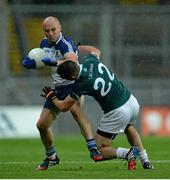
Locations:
{"points": [[38, 54]]}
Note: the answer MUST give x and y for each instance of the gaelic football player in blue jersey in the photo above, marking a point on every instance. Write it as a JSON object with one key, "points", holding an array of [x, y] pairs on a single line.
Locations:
{"points": [[58, 48]]}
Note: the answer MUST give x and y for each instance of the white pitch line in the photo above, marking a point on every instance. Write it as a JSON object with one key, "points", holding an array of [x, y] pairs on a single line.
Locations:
{"points": [[77, 162]]}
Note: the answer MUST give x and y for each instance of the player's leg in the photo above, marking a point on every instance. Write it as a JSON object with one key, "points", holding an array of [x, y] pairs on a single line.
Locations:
{"points": [[134, 139], [132, 134], [85, 126], [82, 120], [104, 144], [86, 130], [112, 123], [44, 127]]}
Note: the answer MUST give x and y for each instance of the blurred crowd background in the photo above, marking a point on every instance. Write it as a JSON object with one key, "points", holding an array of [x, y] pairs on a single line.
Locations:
{"points": [[133, 36]]}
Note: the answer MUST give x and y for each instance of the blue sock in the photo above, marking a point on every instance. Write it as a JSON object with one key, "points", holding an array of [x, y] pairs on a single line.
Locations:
{"points": [[51, 151], [91, 143]]}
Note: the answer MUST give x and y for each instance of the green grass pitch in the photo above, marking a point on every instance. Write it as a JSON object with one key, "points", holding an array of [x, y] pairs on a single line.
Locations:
{"points": [[20, 157]]}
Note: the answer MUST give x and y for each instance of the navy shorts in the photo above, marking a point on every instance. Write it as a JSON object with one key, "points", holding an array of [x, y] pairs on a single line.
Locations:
{"points": [[61, 92]]}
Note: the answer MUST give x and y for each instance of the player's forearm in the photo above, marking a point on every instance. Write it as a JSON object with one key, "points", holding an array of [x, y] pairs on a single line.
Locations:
{"points": [[68, 56], [60, 105], [89, 49]]}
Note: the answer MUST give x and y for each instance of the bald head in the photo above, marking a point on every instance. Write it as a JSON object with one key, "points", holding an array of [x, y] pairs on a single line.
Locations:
{"points": [[52, 28], [50, 19]]}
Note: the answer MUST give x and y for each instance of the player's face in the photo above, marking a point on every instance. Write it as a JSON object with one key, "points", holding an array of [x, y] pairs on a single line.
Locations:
{"points": [[52, 30]]}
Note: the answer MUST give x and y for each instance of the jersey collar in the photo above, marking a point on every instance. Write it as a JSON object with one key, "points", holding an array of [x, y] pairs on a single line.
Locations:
{"points": [[59, 38]]}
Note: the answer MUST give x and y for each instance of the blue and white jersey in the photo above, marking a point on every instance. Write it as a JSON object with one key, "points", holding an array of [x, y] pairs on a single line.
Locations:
{"points": [[57, 51]]}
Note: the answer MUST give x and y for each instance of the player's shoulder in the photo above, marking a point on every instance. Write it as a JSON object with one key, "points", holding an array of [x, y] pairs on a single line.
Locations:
{"points": [[66, 44], [66, 40]]}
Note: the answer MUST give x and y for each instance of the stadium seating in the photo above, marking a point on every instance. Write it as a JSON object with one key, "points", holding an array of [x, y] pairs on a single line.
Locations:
{"points": [[14, 53]]}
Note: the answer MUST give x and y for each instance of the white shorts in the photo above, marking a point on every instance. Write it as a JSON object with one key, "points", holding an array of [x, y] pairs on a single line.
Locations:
{"points": [[116, 121]]}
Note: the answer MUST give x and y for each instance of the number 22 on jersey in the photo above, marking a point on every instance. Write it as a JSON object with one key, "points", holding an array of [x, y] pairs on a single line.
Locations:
{"points": [[102, 68]]}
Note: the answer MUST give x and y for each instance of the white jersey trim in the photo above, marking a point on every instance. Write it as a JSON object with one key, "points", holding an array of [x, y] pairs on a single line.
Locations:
{"points": [[59, 38], [67, 43]]}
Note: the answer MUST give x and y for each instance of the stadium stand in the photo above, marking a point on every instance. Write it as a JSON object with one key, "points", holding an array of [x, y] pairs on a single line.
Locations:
{"points": [[14, 51], [134, 41]]}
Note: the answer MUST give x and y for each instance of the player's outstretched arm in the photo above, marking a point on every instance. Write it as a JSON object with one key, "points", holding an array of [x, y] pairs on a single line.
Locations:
{"points": [[68, 56], [89, 49], [62, 105]]}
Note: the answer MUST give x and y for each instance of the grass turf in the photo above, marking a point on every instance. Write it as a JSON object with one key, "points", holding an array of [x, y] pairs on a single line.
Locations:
{"points": [[20, 157]]}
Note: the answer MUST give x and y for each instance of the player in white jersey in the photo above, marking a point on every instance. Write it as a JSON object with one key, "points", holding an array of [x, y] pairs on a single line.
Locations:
{"points": [[58, 48]]}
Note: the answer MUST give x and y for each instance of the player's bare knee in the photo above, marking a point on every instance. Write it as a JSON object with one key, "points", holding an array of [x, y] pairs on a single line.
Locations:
{"points": [[102, 141], [41, 125]]}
